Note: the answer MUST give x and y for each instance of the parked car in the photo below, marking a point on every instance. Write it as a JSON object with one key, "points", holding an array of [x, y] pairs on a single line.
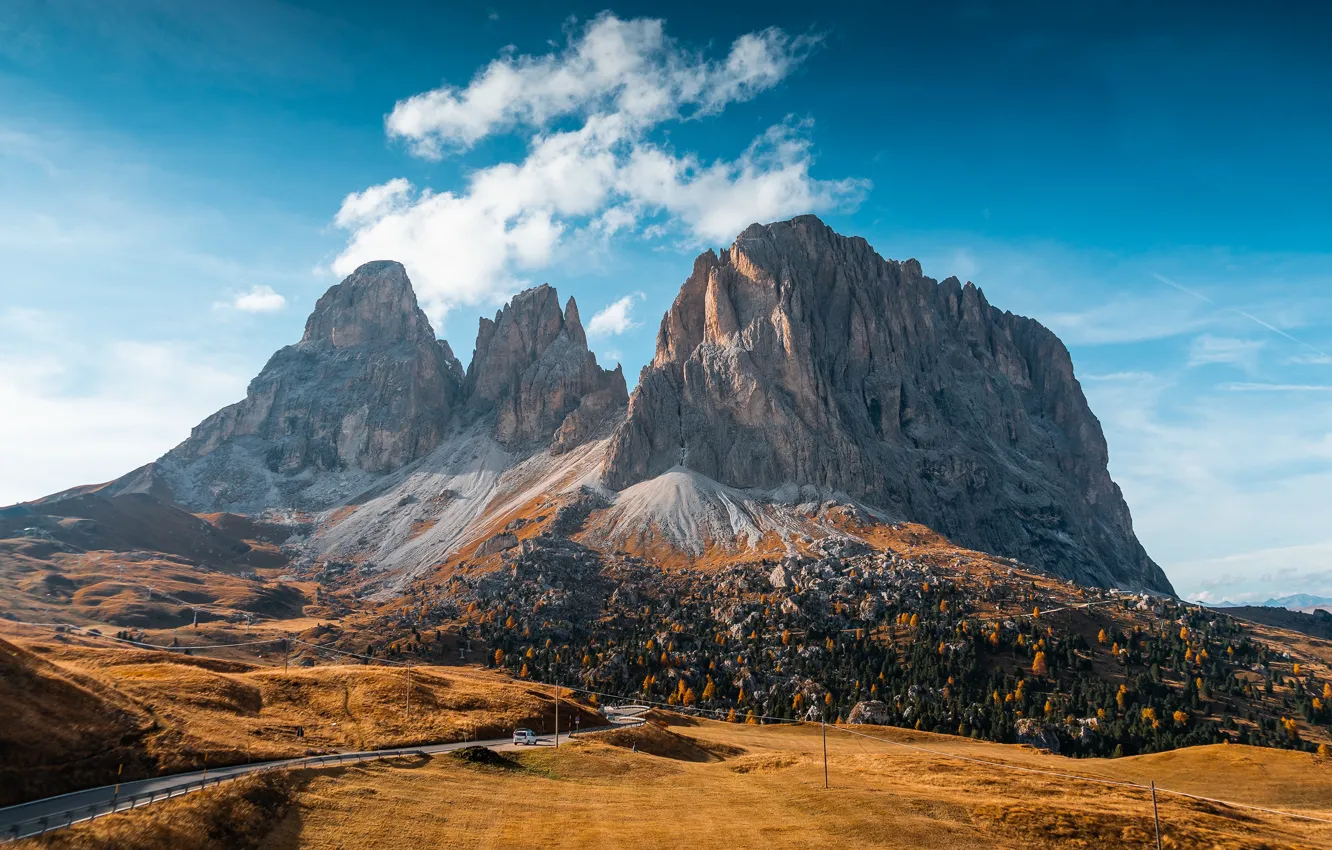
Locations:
{"points": [[524, 736]]}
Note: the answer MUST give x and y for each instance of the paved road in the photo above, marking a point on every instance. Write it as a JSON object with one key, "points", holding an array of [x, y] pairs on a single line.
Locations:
{"points": [[39, 816]]}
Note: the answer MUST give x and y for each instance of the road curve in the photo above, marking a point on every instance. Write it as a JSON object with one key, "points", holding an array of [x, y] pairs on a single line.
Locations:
{"points": [[38, 816]]}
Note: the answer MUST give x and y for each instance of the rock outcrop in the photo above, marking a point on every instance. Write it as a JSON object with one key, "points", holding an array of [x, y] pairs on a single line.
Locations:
{"points": [[533, 370], [799, 356]]}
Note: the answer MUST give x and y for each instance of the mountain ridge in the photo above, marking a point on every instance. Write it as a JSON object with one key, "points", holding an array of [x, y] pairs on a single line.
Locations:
{"points": [[798, 373]]}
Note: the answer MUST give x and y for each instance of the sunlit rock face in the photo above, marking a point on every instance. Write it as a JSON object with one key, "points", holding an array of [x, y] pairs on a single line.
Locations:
{"points": [[801, 356]]}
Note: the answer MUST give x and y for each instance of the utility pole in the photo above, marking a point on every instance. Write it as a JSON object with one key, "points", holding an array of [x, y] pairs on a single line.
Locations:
{"points": [[1156, 816], [196, 618], [824, 730], [557, 717]]}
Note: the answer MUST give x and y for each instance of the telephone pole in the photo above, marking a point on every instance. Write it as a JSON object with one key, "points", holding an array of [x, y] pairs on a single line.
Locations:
{"points": [[557, 717], [1156, 816], [824, 730]]}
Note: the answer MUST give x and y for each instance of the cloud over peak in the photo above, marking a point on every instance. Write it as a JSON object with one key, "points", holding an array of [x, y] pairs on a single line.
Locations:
{"points": [[592, 166], [631, 68]]}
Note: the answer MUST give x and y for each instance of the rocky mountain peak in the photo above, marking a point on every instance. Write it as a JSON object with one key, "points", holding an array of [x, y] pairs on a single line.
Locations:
{"points": [[800, 356], [375, 305], [533, 368]]}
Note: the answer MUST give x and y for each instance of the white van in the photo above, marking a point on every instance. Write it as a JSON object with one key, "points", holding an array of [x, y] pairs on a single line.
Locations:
{"points": [[524, 736]]}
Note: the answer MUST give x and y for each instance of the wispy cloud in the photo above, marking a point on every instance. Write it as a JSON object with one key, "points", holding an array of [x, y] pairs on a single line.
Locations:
{"points": [[1208, 349], [1261, 574], [1310, 360], [1261, 323], [1126, 320], [110, 406], [1211, 474], [1249, 387]]}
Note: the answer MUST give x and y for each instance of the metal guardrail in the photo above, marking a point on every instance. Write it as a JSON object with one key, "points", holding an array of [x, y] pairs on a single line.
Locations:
{"points": [[48, 823]]}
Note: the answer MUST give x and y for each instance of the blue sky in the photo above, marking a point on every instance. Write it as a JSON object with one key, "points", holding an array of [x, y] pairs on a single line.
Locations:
{"points": [[179, 183]]}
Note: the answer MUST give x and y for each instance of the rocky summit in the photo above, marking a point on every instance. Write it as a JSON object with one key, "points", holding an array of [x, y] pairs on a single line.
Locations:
{"points": [[802, 356]]}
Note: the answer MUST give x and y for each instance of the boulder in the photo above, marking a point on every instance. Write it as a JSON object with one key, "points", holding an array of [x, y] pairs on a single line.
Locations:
{"points": [[871, 712]]}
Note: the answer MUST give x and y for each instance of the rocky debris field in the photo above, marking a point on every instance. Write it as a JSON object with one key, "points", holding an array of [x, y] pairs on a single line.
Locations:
{"points": [[857, 635]]}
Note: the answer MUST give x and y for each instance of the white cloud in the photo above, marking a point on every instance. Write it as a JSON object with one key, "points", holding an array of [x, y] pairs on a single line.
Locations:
{"points": [[616, 81], [110, 407], [626, 68], [1208, 349], [615, 318], [373, 204], [260, 299]]}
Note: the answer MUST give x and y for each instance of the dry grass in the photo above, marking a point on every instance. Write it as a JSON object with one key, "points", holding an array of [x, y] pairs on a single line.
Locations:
{"points": [[235, 816], [43, 584], [594, 793], [160, 712]]}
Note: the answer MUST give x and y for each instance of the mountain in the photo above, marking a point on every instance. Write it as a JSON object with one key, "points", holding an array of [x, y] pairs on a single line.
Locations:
{"points": [[801, 356], [803, 389], [1305, 602], [369, 390]]}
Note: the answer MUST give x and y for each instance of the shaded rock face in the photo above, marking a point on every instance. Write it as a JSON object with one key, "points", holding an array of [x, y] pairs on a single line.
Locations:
{"points": [[367, 387], [533, 369], [802, 356]]}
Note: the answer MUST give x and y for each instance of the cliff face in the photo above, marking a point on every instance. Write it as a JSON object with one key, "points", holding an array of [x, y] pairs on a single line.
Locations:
{"points": [[801, 356]]}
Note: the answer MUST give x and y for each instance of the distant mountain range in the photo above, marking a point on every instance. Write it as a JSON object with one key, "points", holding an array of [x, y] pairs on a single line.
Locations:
{"points": [[1294, 602]]}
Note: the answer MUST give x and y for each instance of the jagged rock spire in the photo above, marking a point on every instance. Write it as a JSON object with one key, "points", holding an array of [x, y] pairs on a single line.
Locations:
{"points": [[533, 368]]}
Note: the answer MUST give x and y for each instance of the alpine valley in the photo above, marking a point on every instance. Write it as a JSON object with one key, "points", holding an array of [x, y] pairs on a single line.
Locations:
{"points": [[840, 490]]}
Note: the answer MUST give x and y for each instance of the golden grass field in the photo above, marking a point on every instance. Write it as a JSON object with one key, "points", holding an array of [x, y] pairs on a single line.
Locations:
{"points": [[75, 712], [707, 784]]}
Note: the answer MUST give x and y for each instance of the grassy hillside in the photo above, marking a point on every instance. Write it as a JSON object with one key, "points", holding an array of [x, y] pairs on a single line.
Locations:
{"points": [[75, 712], [706, 784]]}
